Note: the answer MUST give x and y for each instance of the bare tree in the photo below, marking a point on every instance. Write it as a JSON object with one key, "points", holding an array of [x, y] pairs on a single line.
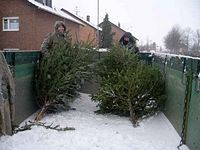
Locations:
{"points": [[172, 40], [196, 41], [153, 45], [187, 39]]}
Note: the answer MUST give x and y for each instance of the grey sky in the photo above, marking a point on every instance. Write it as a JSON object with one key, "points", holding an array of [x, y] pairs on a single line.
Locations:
{"points": [[145, 19]]}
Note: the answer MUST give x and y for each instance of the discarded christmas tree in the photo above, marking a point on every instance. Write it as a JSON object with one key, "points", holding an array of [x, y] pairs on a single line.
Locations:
{"points": [[60, 76], [127, 86]]}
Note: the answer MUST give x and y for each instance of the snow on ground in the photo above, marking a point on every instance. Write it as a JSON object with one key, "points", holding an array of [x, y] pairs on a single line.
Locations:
{"points": [[95, 132]]}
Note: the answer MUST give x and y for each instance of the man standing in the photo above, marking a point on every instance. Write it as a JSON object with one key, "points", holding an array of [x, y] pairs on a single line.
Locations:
{"points": [[53, 47], [58, 37], [128, 41]]}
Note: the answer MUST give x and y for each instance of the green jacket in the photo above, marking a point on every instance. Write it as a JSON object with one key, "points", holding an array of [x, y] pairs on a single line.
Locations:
{"points": [[54, 38]]}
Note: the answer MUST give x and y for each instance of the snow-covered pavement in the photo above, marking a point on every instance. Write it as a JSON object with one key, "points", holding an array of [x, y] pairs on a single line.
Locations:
{"points": [[95, 132]]}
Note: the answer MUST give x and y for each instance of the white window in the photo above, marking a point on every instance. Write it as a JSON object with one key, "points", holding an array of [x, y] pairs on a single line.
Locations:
{"points": [[10, 23]]}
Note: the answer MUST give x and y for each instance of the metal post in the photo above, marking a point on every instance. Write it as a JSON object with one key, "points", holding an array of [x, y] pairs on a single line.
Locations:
{"points": [[98, 34]]}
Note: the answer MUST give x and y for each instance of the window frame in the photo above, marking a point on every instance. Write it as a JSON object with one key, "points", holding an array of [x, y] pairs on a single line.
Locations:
{"points": [[9, 18]]}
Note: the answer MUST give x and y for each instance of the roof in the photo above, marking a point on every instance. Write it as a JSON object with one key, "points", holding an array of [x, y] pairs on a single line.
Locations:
{"points": [[56, 12], [81, 19], [114, 25]]}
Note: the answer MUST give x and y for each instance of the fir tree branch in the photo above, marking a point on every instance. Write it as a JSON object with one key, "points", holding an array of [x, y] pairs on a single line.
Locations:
{"points": [[28, 126]]}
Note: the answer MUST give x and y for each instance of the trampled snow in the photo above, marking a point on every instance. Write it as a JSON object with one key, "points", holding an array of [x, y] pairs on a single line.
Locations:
{"points": [[95, 132]]}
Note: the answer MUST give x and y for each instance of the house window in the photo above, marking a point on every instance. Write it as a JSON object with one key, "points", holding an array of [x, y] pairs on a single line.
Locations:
{"points": [[10, 23]]}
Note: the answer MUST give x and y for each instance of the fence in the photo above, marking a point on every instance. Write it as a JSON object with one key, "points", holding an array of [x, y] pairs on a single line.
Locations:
{"points": [[23, 66], [182, 78], [182, 107]]}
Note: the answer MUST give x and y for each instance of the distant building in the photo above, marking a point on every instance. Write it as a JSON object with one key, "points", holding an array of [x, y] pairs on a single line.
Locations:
{"points": [[88, 32], [25, 23], [117, 30]]}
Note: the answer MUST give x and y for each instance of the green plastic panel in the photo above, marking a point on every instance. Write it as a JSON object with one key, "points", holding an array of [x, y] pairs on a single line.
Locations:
{"points": [[175, 90], [23, 66], [193, 132], [175, 78], [25, 98], [24, 70]]}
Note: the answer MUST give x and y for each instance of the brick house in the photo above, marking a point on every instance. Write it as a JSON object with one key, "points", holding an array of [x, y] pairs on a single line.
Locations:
{"points": [[25, 23], [118, 32], [87, 32]]}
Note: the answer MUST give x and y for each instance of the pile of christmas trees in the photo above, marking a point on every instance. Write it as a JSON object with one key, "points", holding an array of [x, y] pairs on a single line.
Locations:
{"points": [[60, 74], [128, 87]]}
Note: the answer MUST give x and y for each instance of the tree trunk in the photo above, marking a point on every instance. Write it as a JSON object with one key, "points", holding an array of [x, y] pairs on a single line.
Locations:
{"points": [[41, 113], [132, 114]]}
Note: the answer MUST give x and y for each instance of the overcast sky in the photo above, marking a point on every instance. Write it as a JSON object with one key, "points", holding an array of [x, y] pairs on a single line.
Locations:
{"points": [[145, 19]]}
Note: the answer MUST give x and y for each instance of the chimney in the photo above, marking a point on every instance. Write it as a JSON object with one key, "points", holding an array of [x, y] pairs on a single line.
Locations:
{"points": [[49, 3], [119, 24], [40, 1], [88, 18]]}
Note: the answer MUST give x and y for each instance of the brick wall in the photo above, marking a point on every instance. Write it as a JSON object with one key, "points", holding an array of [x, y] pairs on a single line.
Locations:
{"points": [[118, 34], [88, 33], [34, 25]]}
